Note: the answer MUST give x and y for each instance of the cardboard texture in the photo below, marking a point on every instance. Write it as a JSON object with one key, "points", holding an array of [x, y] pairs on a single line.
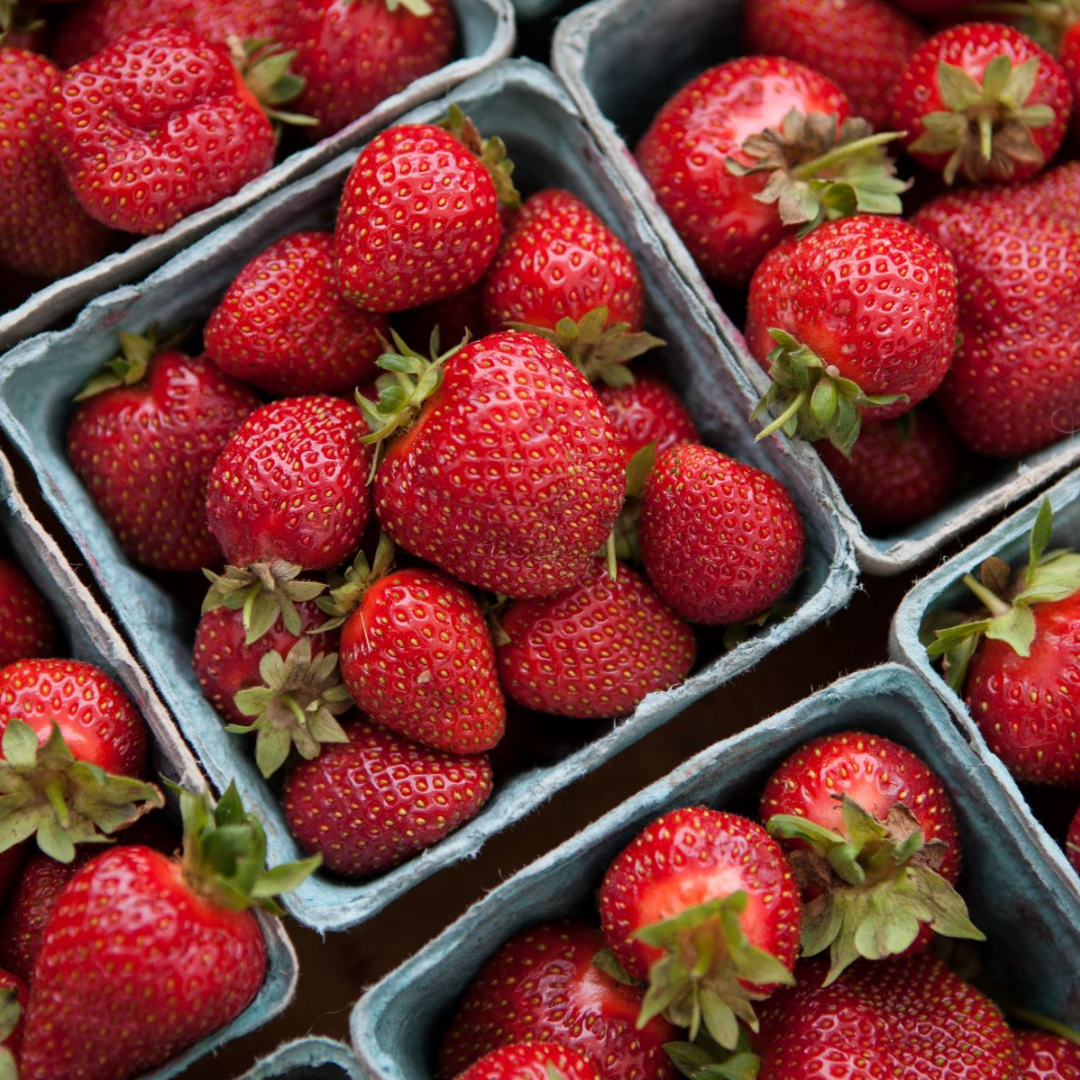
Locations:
{"points": [[91, 637], [486, 35], [523, 103], [307, 1059], [621, 60], [1013, 896]]}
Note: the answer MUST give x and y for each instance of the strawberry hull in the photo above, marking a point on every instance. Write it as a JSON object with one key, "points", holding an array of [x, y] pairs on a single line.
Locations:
{"points": [[90, 636], [307, 1059], [518, 101], [621, 60]]}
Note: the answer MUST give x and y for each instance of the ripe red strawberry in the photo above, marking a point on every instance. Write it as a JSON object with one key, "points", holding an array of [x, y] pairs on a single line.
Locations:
{"points": [[511, 476], [861, 45], [541, 986], [153, 422], [531, 1061], [156, 126], [859, 316], [44, 232], [899, 472], [721, 541], [873, 838], [982, 101], [192, 917], [419, 216], [13, 998], [27, 627], [371, 803], [595, 650], [1042, 1056], [284, 327], [648, 411]]}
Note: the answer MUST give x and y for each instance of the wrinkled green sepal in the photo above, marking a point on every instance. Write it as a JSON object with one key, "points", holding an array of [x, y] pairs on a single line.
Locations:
{"points": [[491, 152], [706, 1059], [129, 366], [267, 70], [347, 590]]}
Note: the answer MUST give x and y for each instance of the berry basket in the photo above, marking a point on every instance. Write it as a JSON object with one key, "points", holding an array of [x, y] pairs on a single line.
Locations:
{"points": [[522, 102], [486, 35], [1013, 894], [307, 1059], [90, 636], [621, 60]]}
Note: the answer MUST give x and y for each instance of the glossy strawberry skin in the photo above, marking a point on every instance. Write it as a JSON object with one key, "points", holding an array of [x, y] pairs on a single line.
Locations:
{"points": [[44, 232], [541, 986], [688, 857], [1043, 1056], [530, 1061], [721, 541], [27, 627], [684, 157], [130, 443], [418, 221], [291, 484], [873, 297], [559, 261], [131, 902], [372, 803], [648, 411], [512, 477], [158, 125], [596, 650]]}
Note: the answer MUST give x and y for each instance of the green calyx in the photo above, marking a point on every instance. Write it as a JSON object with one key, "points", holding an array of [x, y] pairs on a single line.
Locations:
{"points": [[10, 1012], [706, 1059], [814, 399], [699, 982], [1046, 22], [420, 8], [1008, 600], [13, 21], [985, 127], [491, 152], [872, 888], [624, 543], [225, 854], [267, 70], [822, 170], [295, 706], [45, 791], [264, 592], [600, 352], [129, 366], [348, 590]]}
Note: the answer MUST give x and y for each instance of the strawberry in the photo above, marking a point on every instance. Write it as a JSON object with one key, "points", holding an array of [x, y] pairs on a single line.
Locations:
{"points": [[595, 650], [648, 411], [44, 232], [721, 541], [13, 996], [860, 45], [419, 216], [27, 627], [375, 801], [541, 986], [858, 317], [511, 476], [155, 419], [531, 1061], [192, 916], [283, 326], [873, 838], [454, 317], [899, 472], [1042, 1056], [983, 101]]}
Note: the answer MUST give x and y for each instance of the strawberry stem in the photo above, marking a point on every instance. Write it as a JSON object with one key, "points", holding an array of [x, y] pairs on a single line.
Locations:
{"points": [[797, 402], [808, 170], [54, 792], [994, 604]]}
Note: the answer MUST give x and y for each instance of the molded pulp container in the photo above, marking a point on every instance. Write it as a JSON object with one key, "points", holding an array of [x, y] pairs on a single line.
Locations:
{"points": [[943, 590], [485, 34], [307, 1059], [91, 637], [621, 60], [1013, 896], [522, 102]]}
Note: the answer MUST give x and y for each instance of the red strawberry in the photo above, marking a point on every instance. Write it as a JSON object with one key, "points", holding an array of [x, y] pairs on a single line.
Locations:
{"points": [[193, 918], [454, 317], [595, 650], [148, 423], [419, 216], [1069, 57], [648, 411], [541, 986], [371, 803], [27, 627], [899, 472], [158, 125], [860, 315], [983, 101], [44, 232], [284, 327], [721, 541], [873, 839], [13, 997], [531, 1061], [1043, 1056], [861, 45]]}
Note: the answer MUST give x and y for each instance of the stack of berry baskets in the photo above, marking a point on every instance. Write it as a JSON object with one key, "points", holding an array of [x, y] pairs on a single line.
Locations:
{"points": [[307, 1059], [521, 102], [64, 238], [962, 418], [687, 856], [48, 612]]}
